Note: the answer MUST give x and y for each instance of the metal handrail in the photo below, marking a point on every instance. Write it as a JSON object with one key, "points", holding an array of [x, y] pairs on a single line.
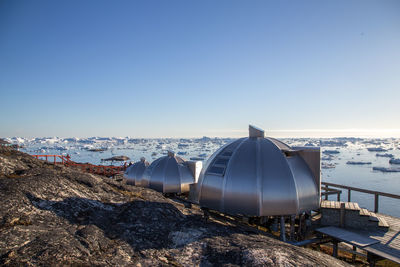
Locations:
{"points": [[367, 191], [331, 191]]}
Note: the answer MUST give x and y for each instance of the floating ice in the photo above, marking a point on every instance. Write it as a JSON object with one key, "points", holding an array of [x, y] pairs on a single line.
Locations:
{"points": [[333, 143], [196, 158], [385, 155], [182, 145], [330, 152], [328, 157], [96, 149], [325, 165], [384, 169], [394, 161], [358, 162], [376, 149]]}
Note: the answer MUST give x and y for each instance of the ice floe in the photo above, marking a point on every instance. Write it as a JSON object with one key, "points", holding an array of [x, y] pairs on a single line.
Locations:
{"points": [[326, 165], [376, 149], [333, 143], [394, 161], [331, 152], [327, 158], [384, 155], [358, 162], [384, 169]]}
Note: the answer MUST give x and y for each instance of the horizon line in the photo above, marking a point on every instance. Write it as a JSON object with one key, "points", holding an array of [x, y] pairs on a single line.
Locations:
{"points": [[313, 133]]}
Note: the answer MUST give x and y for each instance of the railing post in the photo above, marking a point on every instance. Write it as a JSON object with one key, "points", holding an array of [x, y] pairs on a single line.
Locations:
{"points": [[292, 226], [349, 195], [326, 191], [335, 248], [283, 229], [342, 214], [353, 257], [376, 203]]}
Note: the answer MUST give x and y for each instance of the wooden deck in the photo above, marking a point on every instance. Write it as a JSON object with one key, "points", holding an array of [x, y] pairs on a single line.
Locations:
{"points": [[389, 242], [385, 244]]}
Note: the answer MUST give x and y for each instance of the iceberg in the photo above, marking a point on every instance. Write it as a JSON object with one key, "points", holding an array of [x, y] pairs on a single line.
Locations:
{"points": [[333, 143], [385, 155], [384, 169], [330, 152], [309, 144], [183, 145], [394, 161], [329, 157], [325, 165], [376, 149], [358, 162], [197, 158]]}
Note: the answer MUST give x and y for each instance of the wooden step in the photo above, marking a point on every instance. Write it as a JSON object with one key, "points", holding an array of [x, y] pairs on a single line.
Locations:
{"points": [[328, 204], [354, 215], [352, 206], [364, 212], [373, 217], [382, 222]]}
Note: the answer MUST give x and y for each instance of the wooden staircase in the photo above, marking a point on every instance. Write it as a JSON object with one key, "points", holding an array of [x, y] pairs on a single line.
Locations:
{"points": [[354, 216]]}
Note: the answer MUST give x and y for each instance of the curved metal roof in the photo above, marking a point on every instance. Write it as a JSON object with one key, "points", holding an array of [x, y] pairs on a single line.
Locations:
{"points": [[168, 174], [134, 173], [259, 176]]}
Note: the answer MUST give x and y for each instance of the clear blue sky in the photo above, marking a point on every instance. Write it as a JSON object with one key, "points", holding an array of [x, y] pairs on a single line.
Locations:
{"points": [[194, 68]]}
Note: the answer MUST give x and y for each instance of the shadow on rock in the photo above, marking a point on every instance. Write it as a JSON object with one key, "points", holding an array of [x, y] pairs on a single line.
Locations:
{"points": [[142, 224]]}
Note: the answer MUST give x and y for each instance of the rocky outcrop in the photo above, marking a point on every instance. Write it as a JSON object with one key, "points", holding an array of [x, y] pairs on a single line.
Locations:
{"points": [[54, 215], [117, 158]]}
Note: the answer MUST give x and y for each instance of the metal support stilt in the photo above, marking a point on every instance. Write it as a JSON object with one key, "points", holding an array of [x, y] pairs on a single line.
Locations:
{"points": [[206, 214], [371, 259], [283, 231], [292, 224], [335, 248], [353, 258], [274, 226]]}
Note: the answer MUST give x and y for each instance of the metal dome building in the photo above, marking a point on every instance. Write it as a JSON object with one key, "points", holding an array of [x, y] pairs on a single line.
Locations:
{"points": [[171, 174], [258, 176], [134, 173]]}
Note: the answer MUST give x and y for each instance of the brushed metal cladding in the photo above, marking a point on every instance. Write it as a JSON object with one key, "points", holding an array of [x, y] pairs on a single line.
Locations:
{"points": [[168, 174], [143, 181], [256, 176], [135, 172]]}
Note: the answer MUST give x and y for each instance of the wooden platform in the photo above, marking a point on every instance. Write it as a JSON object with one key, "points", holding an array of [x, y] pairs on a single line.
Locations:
{"points": [[354, 216], [385, 244]]}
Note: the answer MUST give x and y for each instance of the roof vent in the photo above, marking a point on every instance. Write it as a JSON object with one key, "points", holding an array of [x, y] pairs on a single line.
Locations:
{"points": [[255, 132], [171, 153]]}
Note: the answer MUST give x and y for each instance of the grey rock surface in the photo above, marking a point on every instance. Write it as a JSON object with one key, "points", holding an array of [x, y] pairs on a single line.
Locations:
{"points": [[54, 215]]}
